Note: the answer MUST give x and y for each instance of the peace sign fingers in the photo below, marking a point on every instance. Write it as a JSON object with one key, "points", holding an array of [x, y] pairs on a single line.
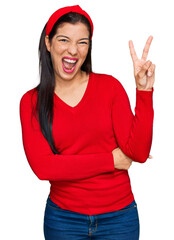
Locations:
{"points": [[146, 48], [132, 51], [144, 73]]}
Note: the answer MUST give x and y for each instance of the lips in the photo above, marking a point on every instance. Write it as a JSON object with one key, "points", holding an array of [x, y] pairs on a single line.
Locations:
{"points": [[69, 64]]}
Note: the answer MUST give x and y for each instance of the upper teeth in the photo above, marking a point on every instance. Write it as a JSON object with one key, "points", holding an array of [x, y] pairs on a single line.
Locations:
{"points": [[69, 60]]}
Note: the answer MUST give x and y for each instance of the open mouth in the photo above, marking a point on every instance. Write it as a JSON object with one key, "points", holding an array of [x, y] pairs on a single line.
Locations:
{"points": [[69, 64]]}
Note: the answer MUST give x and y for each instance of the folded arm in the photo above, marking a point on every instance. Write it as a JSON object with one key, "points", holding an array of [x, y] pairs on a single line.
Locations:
{"points": [[54, 167]]}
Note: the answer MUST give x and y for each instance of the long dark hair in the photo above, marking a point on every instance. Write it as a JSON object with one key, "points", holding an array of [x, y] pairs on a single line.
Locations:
{"points": [[45, 89]]}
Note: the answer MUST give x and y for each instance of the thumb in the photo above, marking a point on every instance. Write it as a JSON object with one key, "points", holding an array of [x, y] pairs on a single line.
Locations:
{"points": [[144, 68]]}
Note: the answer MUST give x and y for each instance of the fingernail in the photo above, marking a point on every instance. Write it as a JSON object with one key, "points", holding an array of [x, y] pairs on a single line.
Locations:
{"points": [[149, 74]]}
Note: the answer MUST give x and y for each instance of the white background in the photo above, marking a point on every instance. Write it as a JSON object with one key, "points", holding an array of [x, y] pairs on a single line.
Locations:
{"points": [[23, 195]]}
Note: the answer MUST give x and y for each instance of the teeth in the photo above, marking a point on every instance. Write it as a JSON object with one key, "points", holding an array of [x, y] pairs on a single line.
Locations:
{"points": [[69, 60]]}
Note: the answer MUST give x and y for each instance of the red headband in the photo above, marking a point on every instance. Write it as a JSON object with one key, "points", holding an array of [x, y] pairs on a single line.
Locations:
{"points": [[60, 12]]}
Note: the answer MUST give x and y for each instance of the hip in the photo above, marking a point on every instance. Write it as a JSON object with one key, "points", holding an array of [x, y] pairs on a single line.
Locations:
{"points": [[64, 224]]}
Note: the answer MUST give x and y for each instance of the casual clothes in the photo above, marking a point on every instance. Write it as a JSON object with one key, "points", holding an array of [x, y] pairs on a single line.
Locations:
{"points": [[83, 177]]}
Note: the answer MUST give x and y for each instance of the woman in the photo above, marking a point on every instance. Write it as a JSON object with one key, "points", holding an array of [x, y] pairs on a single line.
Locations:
{"points": [[80, 134]]}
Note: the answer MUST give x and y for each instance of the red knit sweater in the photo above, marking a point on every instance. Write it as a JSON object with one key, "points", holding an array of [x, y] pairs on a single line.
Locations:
{"points": [[83, 178]]}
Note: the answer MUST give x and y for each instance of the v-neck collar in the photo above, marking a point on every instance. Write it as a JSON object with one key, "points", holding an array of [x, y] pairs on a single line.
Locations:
{"points": [[58, 99]]}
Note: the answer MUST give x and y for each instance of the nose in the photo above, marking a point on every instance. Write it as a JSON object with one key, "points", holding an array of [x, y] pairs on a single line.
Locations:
{"points": [[72, 49]]}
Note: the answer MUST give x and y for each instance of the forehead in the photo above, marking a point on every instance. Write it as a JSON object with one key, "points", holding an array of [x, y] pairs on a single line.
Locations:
{"points": [[76, 30]]}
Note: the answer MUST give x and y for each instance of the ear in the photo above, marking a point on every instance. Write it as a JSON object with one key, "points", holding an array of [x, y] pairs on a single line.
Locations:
{"points": [[47, 43]]}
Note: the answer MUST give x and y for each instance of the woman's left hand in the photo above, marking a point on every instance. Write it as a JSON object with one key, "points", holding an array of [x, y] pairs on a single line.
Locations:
{"points": [[144, 71]]}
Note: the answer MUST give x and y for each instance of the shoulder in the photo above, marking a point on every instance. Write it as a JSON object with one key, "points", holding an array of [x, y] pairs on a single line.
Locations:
{"points": [[108, 81], [28, 97]]}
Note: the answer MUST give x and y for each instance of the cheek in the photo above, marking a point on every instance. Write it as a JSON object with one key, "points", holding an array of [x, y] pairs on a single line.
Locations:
{"points": [[56, 53], [84, 52]]}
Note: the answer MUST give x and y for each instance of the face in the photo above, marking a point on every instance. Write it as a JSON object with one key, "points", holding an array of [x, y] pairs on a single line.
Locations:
{"points": [[68, 49]]}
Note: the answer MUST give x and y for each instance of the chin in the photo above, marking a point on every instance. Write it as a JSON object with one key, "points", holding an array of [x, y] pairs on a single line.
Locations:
{"points": [[68, 76]]}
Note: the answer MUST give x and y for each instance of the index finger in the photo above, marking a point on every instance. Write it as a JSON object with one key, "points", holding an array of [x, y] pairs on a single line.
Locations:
{"points": [[146, 48], [132, 51]]}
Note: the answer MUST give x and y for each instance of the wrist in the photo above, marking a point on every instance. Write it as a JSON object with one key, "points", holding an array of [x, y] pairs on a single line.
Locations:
{"points": [[144, 89]]}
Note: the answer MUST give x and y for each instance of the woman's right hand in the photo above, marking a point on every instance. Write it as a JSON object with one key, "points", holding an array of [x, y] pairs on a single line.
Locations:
{"points": [[121, 161]]}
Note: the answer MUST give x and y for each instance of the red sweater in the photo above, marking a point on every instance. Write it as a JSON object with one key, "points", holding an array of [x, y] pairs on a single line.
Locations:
{"points": [[83, 178]]}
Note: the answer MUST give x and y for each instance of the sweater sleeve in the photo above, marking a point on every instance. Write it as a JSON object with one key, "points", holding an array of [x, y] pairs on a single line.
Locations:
{"points": [[57, 167], [133, 132]]}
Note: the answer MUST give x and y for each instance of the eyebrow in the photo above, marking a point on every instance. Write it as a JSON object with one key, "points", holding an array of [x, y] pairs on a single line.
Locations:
{"points": [[84, 39], [62, 36], [69, 38]]}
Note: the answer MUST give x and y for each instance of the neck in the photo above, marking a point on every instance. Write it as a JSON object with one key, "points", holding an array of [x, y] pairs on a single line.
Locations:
{"points": [[70, 83]]}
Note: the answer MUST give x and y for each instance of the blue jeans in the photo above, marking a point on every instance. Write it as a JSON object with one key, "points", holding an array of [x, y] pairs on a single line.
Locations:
{"points": [[60, 224]]}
